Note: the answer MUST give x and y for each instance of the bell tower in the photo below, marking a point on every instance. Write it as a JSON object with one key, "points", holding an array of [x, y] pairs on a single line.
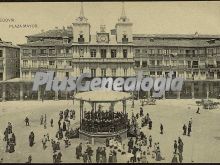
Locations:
{"points": [[81, 28], [124, 28]]}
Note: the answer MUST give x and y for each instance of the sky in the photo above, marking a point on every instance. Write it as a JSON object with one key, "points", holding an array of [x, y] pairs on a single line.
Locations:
{"points": [[147, 17]]}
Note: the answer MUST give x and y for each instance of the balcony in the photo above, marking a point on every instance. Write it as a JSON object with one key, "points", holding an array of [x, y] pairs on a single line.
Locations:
{"points": [[101, 60]]}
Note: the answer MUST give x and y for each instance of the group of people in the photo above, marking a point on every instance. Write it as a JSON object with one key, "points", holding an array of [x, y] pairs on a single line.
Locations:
{"points": [[100, 121], [178, 151], [9, 138], [187, 130]]}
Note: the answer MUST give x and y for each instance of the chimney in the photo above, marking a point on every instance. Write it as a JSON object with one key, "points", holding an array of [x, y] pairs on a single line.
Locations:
{"points": [[56, 28], [42, 30], [64, 28]]}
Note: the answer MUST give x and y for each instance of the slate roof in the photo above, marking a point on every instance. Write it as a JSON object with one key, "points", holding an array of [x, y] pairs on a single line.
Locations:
{"points": [[55, 33], [199, 36], [7, 44], [46, 42], [176, 43]]}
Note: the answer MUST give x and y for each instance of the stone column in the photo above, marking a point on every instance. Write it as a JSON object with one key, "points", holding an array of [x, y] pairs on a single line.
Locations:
{"points": [[56, 95], [21, 92], [192, 90], [164, 95], [38, 94], [178, 95], [207, 90], [3, 92]]}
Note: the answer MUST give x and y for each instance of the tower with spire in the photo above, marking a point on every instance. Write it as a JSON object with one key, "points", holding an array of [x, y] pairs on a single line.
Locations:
{"points": [[124, 28], [81, 28]]}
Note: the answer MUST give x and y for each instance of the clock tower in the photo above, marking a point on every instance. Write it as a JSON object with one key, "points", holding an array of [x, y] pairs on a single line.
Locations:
{"points": [[102, 36], [81, 28], [124, 28]]}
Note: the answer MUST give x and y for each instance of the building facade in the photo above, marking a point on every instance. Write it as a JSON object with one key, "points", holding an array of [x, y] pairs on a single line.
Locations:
{"points": [[74, 50], [9, 64]]}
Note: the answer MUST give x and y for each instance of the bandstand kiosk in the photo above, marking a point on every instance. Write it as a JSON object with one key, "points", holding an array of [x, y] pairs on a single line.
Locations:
{"points": [[96, 125]]}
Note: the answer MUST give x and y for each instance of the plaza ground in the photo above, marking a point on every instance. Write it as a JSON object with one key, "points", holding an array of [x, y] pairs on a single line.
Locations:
{"points": [[202, 146]]}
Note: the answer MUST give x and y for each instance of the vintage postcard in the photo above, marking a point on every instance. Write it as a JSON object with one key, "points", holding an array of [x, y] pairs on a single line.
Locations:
{"points": [[110, 82]]}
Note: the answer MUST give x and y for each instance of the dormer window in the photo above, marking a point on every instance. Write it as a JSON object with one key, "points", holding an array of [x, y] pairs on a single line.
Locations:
{"points": [[81, 38], [124, 39], [65, 40]]}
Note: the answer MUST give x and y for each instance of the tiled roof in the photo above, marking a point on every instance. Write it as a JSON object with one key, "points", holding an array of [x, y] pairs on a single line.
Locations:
{"points": [[7, 44], [199, 36], [176, 43], [46, 42], [55, 33]]}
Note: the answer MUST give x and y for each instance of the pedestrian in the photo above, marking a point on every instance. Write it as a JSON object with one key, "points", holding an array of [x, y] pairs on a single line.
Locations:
{"points": [[198, 111], [31, 139], [85, 157], [150, 124], [180, 157], [141, 112], [59, 157], [79, 151], [29, 159], [174, 159], [189, 129], [150, 141], [161, 128], [51, 122], [27, 121], [175, 146], [41, 119], [184, 129]]}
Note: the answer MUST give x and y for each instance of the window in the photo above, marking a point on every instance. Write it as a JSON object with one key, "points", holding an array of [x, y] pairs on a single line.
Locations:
{"points": [[195, 64], [152, 62], [81, 38], [93, 52], [125, 53], [1, 76], [103, 53], [43, 51], [152, 73], [189, 64], [34, 63], [25, 62], [151, 51], [67, 74], [34, 52], [125, 72], [137, 51], [81, 52], [93, 72], [144, 63], [51, 62], [25, 51], [69, 63], [173, 62], [159, 62], [60, 63], [113, 53], [52, 52], [159, 73], [69, 50], [25, 74], [33, 74], [81, 70], [103, 72], [113, 72], [160, 51], [167, 62], [1, 53]]}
